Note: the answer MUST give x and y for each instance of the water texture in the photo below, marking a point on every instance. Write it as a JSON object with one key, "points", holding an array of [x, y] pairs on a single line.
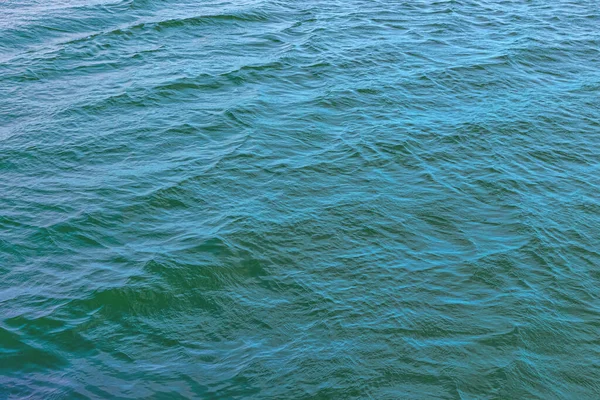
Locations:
{"points": [[300, 199]]}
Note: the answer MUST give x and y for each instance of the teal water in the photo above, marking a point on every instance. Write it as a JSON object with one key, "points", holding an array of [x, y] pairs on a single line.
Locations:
{"points": [[299, 199]]}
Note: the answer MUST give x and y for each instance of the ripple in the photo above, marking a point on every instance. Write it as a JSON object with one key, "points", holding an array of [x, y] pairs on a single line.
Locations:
{"points": [[298, 199]]}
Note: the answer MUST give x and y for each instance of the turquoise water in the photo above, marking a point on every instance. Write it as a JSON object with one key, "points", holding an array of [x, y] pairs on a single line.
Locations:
{"points": [[300, 199]]}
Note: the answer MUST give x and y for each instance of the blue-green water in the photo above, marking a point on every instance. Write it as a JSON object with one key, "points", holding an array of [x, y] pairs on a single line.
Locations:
{"points": [[300, 199]]}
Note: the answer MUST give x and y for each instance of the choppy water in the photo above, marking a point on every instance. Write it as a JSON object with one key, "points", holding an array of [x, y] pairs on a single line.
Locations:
{"points": [[300, 199]]}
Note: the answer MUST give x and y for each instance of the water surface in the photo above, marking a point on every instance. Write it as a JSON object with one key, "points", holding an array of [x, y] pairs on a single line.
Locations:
{"points": [[300, 199]]}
